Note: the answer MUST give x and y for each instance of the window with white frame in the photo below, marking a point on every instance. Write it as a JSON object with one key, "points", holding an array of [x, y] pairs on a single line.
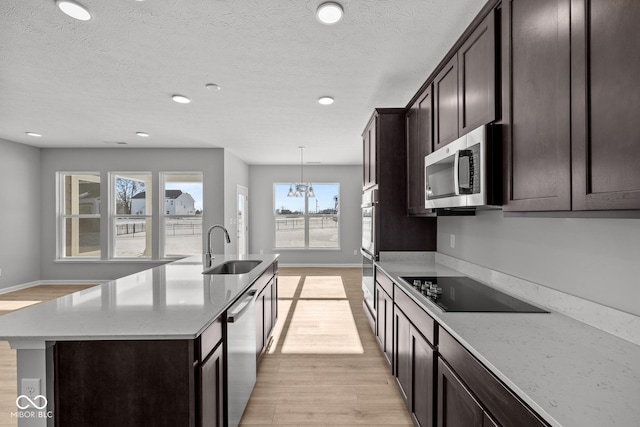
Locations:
{"points": [[131, 215], [79, 215], [182, 213], [307, 222]]}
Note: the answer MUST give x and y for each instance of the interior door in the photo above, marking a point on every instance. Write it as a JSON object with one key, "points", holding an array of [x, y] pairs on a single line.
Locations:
{"points": [[243, 220]]}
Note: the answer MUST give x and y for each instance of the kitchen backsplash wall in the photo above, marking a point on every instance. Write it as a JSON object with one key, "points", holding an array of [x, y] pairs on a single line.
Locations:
{"points": [[594, 259], [19, 214]]}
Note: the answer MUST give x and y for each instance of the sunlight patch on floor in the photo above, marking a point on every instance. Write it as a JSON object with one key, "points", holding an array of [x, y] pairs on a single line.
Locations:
{"points": [[323, 287], [322, 327], [287, 286]]}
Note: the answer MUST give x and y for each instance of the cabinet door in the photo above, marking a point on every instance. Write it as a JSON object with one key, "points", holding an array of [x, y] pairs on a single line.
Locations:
{"points": [[259, 323], [211, 390], [419, 144], [445, 98], [369, 155], [384, 323], [268, 319], [477, 77], [274, 302], [402, 356], [605, 104], [456, 405], [422, 375], [536, 110]]}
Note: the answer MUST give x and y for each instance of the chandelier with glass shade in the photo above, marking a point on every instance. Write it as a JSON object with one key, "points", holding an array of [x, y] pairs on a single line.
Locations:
{"points": [[302, 189]]}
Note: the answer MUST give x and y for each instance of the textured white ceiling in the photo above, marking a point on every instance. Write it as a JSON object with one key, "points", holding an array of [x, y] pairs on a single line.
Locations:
{"points": [[81, 84]]}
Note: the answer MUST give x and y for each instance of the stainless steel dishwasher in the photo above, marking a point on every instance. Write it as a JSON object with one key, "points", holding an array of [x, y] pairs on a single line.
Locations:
{"points": [[241, 355]]}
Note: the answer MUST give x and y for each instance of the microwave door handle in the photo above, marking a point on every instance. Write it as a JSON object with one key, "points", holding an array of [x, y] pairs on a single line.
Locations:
{"points": [[456, 171]]}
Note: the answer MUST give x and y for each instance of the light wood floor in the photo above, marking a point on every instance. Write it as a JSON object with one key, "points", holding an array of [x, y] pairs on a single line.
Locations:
{"points": [[10, 302], [324, 367]]}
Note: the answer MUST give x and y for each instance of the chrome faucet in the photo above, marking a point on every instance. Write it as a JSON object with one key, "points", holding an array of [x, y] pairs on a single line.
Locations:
{"points": [[208, 257]]}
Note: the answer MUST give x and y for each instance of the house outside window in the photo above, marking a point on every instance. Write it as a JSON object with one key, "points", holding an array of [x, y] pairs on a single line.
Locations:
{"points": [[131, 214], [79, 215], [307, 222], [181, 225]]}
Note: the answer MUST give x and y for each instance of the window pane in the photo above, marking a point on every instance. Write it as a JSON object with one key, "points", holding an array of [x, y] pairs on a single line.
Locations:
{"points": [[183, 209], [133, 194], [183, 236], [285, 205], [132, 237], [323, 216], [82, 237], [290, 231], [132, 229], [81, 195], [323, 231], [80, 215]]}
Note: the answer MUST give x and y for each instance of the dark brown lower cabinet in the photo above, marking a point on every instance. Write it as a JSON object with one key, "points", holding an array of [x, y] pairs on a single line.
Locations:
{"points": [[456, 405], [414, 367], [266, 314], [211, 387], [384, 323], [462, 369], [125, 383]]}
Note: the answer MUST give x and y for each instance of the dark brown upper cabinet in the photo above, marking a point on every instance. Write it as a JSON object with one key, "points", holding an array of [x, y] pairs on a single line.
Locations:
{"points": [[536, 93], [445, 92], [477, 77], [369, 175], [605, 103], [464, 91], [419, 144]]}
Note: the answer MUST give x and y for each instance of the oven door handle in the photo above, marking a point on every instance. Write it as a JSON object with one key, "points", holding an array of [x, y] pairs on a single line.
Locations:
{"points": [[366, 254]]}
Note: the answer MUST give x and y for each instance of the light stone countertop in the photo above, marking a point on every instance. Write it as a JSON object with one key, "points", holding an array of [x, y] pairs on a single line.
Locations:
{"points": [[570, 373], [172, 301]]}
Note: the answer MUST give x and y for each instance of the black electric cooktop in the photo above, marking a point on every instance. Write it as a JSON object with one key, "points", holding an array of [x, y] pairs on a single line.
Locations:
{"points": [[462, 294]]}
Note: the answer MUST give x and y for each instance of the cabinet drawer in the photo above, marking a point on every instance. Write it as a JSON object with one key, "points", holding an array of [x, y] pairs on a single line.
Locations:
{"points": [[209, 339], [264, 279], [384, 282], [505, 407], [420, 319]]}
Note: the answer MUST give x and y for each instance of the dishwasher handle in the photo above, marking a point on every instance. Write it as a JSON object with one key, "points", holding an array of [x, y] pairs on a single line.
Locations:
{"points": [[240, 308]]}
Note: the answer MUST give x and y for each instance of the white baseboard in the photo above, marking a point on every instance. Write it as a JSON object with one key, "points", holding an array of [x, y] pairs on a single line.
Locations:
{"points": [[49, 282]]}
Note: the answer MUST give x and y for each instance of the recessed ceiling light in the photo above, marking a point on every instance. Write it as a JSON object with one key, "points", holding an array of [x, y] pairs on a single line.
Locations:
{"points": [[180, 99], [142, 134], [74, 9], [37, 135], [325, 100], [213, 87], [329, 12]]}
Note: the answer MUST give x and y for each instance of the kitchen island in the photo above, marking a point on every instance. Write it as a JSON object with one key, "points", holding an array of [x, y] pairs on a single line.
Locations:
{"points": [[145, 321]]}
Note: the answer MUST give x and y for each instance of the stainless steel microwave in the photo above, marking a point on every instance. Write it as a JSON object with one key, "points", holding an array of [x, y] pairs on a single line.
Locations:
{"points": [[465, 173]]}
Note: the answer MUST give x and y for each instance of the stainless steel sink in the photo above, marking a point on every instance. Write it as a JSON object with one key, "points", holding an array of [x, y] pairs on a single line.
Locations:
{"points": [[233, 267]]}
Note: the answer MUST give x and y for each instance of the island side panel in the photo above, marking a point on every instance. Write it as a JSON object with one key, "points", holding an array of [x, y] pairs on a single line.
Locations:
{"points": [[125, 383]]}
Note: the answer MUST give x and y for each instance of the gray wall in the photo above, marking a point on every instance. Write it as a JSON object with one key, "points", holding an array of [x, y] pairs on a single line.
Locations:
{"points": [[104, 160], [595, 259], [261, 219], [19, 214], [236, 172]]}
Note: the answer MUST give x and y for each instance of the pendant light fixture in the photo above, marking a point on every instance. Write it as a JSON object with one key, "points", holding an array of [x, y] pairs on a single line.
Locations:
{"points": [[301, 188]]}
